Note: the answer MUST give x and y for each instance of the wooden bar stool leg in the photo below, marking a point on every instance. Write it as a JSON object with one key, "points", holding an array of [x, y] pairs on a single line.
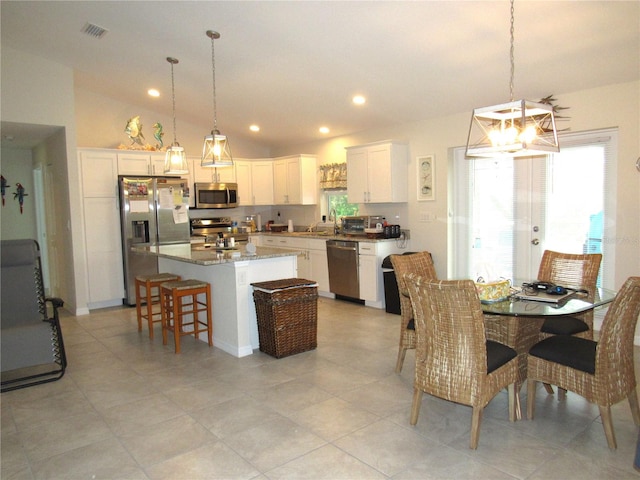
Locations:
{"points": [[209, 319], [164, 312], [196, 320], [177, 319], [139, 305], [149, 292]]}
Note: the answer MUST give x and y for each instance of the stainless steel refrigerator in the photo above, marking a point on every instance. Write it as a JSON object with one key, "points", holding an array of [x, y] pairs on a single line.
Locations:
{"points": [[153, 211]]}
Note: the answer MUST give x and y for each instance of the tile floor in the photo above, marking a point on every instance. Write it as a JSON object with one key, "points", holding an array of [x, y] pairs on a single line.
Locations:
{"points": [[129, 408]]}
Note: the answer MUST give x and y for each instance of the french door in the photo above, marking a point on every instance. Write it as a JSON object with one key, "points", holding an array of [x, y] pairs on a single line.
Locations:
{"points": [[506, 211]]}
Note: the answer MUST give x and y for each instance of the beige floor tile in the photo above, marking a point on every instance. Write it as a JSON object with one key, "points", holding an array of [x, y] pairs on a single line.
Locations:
{"points": [[156, 443], [234, 416], [214, 460], [333, 418], [329, 463], [131, 417], [273, 443], [386, 446], [289, 397], [60, 435], [101, 460]]}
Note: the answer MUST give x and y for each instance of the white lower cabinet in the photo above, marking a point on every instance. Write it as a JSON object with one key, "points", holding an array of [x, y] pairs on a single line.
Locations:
{"points": [[371, 255], [312, 262], [367, 263], [318, 264]]}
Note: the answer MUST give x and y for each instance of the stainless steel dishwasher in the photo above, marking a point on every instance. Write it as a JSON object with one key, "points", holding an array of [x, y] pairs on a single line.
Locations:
{"points": [[342, 257]]}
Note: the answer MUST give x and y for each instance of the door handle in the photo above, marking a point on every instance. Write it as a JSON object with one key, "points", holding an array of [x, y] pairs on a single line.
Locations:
{"points": [[535, 241]]}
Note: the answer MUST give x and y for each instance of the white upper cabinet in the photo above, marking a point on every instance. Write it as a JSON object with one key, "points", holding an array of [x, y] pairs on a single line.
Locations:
{"points": [[98, 173], [377, 173], [213, 175], [255, 181], [295, 180], [141, 163]]}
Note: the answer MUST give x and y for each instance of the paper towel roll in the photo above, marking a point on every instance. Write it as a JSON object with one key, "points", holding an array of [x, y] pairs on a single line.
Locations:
{"points": [[259, 221], [290, 229]]}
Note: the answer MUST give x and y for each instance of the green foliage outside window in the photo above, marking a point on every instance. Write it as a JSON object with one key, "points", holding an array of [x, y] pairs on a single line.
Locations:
{"points": [[339, 201]]}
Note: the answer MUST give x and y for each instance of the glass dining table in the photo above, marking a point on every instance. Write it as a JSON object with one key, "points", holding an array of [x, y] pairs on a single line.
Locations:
{"points": [[516, 322]]}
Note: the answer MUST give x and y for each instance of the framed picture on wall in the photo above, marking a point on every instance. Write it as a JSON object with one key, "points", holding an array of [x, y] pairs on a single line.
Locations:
{"points": [[426, 169]]}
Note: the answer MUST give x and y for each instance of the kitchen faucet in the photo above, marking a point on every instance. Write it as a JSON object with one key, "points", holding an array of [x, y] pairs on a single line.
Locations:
{"points": [[333, 213]]}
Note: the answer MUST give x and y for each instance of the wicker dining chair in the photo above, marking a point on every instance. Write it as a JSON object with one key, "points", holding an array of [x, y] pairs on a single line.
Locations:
{"points": [[577, 271], [602, 372], [454, 361], [420, 263]]}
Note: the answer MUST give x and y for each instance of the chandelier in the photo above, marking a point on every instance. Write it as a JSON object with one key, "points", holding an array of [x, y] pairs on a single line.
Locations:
{"points": [[216, 151], [515, 129], [175, 160]]}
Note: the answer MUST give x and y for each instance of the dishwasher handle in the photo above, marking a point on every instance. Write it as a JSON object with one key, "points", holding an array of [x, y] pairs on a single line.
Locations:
{"points": [[338, 247]]}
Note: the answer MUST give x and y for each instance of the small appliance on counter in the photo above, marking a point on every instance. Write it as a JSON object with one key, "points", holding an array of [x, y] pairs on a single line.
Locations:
{"points": [[211, 229], [357, 225]]}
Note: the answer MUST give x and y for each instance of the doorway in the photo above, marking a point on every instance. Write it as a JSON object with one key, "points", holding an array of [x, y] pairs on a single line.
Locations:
{"points": [[508, 211]]}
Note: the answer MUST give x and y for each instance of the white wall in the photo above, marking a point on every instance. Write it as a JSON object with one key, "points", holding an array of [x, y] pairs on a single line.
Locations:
{"points": [[16, 167], [38, 91]]}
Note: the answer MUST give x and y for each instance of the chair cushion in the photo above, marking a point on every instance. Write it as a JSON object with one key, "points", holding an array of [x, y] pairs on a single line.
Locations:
{"points": [[411, 325], [498, 354], [574, 352], [564, 326]]}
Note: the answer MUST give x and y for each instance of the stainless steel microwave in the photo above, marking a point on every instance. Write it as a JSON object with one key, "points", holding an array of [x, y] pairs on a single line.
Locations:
{"points": [[216, 195]]}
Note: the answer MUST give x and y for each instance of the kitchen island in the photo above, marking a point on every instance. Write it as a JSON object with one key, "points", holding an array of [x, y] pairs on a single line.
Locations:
{"points": [[230, 273]]}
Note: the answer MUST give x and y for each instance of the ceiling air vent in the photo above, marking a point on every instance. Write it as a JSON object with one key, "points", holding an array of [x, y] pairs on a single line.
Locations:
{"points": [[94, 30]]}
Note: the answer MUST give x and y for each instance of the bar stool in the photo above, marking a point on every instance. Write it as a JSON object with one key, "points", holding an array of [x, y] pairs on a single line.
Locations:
{"points": [[174, 309], [151, 282]]}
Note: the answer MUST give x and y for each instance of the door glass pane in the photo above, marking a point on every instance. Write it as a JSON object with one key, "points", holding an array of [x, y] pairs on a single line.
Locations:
{"points": [[575, 200], [492, 219]]}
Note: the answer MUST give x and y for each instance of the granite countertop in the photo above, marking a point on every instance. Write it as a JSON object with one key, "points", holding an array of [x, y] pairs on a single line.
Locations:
{"points": [[326, 236], [200, 255]]}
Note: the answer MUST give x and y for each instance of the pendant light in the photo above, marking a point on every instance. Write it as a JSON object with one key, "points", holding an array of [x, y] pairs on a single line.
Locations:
{"points": [[175, 161], [514, 129], [216, 151]]}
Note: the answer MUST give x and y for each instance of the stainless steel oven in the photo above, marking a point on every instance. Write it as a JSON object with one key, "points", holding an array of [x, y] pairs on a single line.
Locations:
{"points": [[216, 195]]}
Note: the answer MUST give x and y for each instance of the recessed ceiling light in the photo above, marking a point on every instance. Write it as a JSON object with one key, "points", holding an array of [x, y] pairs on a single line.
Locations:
{"points": [[324, 130], [254, 128], [359, 100], [153, 92]]}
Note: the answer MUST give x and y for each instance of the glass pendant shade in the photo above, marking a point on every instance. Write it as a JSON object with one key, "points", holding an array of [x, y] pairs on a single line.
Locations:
{"points": [[216, 151], [175, 161], [515, 129]]}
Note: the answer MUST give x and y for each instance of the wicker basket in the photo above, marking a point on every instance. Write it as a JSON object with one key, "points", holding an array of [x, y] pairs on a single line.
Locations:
{"points": [[287, 313]]}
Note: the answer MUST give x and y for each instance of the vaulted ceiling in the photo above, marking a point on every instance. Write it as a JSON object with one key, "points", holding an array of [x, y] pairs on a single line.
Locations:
{"points": [[293, 66]]}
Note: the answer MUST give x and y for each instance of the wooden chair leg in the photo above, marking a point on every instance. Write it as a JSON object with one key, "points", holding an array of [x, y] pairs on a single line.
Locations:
{"points": [[164, 314], [531, 398], [513, 400], [415, 407], [607, 423], [548, 388], [633, 403], [476, 420], [401, 354]]}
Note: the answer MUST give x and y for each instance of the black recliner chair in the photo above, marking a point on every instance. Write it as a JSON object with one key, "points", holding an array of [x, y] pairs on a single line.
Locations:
{"points": [[32, 349]]}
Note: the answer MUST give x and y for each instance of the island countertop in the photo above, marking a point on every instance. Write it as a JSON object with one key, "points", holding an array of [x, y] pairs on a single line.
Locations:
{"points": [[203, 255]]}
